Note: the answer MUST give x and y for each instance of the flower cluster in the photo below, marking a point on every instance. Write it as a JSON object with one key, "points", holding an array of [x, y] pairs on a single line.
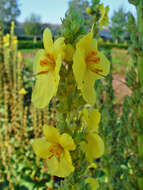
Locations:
{"points": [[88, 65], [55, 148]]}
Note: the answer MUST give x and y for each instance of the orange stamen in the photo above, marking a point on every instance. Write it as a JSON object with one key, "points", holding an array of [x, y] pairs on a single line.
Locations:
{"points": [[91, 61], [96, 60], [92, 57], [42, 72], [96, 70], [93, 53], [50, 156], [49, 62], [50, 59], [58, 153], [55, 150], [43, 62], [51, 150]]}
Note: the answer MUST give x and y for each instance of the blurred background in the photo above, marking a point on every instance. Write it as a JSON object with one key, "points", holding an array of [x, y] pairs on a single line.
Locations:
{"points": [[32, 18]]}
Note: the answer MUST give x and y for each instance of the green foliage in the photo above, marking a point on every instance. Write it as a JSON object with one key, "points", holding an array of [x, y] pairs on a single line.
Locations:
{"points": [[118, 24], [73, 26], [29, 45], [32, 25], [113, 45], [9, 11], [134, 2]]}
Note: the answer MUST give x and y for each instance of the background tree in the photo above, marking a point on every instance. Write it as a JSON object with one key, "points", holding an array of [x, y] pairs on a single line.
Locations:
{"points": [[9, 11], [119, 22], [32, 25]]}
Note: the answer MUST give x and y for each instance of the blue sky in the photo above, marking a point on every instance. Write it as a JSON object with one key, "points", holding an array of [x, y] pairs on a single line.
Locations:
{"points": [[52, 10]]}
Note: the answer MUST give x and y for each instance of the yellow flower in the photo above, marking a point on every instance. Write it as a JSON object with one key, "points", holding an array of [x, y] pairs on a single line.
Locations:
{"points": [[92, 166], [14, 42], [93, 183], [75, 118], [12, 27], [94, 147], [12, 24], [88, 10], [6, 39], [6, 143], [19, 55], [104, 19], [89, 65], [22, 91], [55, 148], [100, 40], [46, 68]]}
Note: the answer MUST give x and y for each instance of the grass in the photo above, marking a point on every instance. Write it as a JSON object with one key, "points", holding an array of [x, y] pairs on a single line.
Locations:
{"points": [[121, 61]]}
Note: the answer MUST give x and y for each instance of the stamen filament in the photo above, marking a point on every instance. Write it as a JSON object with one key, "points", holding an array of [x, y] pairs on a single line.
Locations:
{"points": [[42, 72], [96, 70], [50, 156]]}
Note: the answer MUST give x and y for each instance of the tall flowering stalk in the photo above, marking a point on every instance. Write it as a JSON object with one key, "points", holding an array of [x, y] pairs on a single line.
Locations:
{"points": [[67, 69], [135, 82], [15, 116]]}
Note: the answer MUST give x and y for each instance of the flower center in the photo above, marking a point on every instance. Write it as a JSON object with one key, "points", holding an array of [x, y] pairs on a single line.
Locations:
{"points": [[92, 61], [48, 62], [55, 150]]}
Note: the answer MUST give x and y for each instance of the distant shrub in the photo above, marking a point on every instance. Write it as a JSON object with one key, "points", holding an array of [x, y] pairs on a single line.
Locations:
{"points": [[113, 45], [30, 45], [39, 44]]}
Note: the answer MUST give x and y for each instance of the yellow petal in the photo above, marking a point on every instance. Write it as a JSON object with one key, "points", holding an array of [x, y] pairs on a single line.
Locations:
{"points": [[89, 78], [94, 45], [95, 147], [45, 88], [22, 91], [41, 147], [36, 66], [69, 51], [85, 43], [92, 118], [65, 167], [52, 165], [79, 67], [59, 47], [57, 69], [67, 142], [62, 167], [51, 133], [85, 115], [47, 40], [87, 87], [92, 166], [93, 182], [104, 64], [88, 10]]}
